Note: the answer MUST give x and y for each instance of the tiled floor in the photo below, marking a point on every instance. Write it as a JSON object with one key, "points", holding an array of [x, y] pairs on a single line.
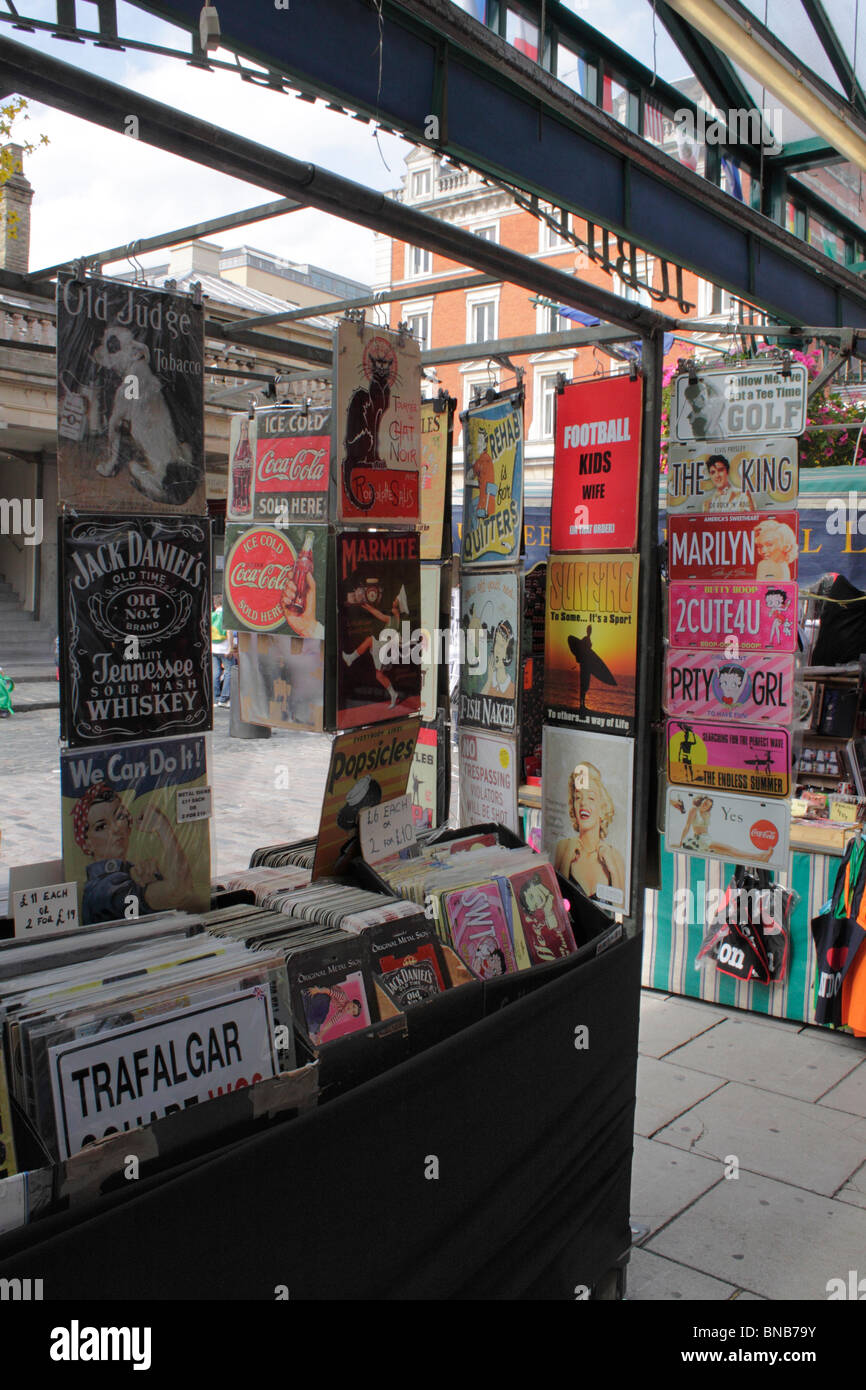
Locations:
{"points": [[750, 1156]]}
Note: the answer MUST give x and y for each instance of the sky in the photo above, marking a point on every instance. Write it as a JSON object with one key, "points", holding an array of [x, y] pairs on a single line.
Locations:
{"points": [[138, 191]]}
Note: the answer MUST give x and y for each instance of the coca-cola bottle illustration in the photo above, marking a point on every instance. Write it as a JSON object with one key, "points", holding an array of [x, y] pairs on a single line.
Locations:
{"points": [[242, 472], [301, 575]]}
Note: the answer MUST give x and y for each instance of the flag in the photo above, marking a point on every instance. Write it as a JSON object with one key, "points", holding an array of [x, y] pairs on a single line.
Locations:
{"points": [[607, 94], [732, 178], [523, 35], [576, 77], [634, 350], [688, 150], [586, 319], [653, 123]]}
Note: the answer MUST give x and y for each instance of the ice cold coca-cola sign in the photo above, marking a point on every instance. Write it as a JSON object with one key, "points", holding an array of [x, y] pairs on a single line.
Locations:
{"points": [[263, 572], [288, 482]]}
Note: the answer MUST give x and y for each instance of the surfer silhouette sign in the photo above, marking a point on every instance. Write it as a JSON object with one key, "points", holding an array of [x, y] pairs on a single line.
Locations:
{"points": [[591, 642]]}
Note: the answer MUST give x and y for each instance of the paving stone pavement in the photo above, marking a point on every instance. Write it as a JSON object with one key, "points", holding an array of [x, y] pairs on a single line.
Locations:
{"points": [[749, 1179], [787, 1103]]}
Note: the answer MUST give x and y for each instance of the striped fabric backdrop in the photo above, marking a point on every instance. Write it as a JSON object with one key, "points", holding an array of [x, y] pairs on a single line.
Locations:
{"points": [[672, 941]]}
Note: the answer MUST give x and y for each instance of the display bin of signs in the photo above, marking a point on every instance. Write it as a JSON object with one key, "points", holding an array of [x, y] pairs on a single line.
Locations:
{"points": [[83, 1183], [492, 532], [508, 1101], [130, 407], [588, 923]]}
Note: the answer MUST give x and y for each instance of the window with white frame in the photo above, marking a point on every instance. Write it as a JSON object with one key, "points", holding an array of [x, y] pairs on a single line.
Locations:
{"points": [[418, 262], [545, 368], [550, 239], [476, 383], [548, 319], [713, 300], [545, 403], [489, 233], [482, 321], [421, 183], [417, 318], [643, 267]]}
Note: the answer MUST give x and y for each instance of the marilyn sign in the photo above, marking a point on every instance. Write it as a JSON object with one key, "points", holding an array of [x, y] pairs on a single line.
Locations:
{"points": [[725, 546]]}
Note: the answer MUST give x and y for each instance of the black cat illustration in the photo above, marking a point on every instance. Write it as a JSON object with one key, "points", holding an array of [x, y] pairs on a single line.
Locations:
{"points": [[363, 418]]}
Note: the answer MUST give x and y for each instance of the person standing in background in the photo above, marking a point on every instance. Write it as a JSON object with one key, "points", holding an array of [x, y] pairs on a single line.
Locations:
{"points": [[223, 654]]}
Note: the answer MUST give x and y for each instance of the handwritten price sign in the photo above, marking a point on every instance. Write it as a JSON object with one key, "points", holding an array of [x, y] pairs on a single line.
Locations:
{"points": [[46, 909], [387, 830]]}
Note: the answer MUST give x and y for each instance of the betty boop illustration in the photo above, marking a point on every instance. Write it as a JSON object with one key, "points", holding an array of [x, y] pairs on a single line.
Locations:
{"points": [[776, 601], [731, 684], [487, 960]]}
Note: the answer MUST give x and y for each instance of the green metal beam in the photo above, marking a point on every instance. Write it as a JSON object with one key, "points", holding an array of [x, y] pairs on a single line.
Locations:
{"points": [[833, 47], [804, 154]]}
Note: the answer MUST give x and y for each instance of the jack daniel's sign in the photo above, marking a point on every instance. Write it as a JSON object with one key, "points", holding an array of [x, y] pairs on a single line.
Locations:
{"points": [[135, 631]]}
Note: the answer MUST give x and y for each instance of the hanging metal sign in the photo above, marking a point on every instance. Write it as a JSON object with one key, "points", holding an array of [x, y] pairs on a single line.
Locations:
{"points": [[747, 401]]}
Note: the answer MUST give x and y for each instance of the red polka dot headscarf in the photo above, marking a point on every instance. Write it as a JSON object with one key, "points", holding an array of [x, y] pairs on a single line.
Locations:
{"points": [[100, 791]]}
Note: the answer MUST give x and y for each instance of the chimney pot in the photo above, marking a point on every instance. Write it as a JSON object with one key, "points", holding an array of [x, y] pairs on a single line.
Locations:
{"points": [[16, 195]]}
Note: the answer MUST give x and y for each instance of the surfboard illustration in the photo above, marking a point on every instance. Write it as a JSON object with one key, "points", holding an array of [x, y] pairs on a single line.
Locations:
{"points": [[589, 662]]}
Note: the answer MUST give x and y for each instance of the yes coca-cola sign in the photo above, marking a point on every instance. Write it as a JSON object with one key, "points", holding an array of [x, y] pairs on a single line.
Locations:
{"points": [[279, 465], [274, 579]]}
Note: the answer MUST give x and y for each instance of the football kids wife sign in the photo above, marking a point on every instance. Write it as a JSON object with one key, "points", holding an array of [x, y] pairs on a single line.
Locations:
{"points": [[596, 465]]}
